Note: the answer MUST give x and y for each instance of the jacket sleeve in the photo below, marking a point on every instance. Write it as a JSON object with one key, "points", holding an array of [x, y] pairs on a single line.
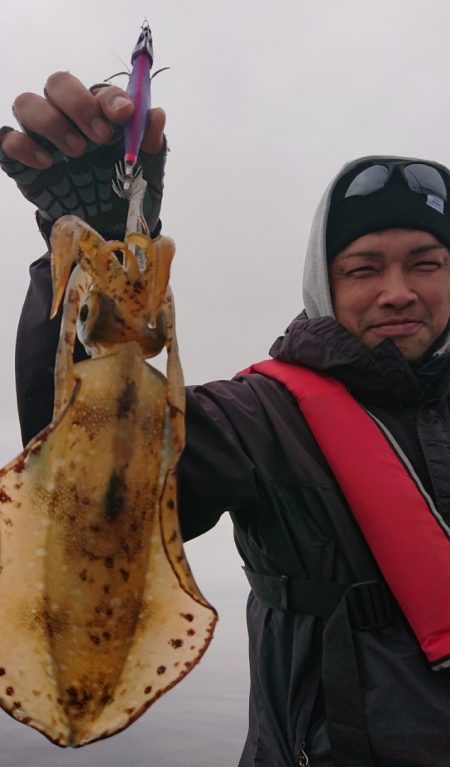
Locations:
{"points": [[36, 343], [216, 470], [215, 473]]}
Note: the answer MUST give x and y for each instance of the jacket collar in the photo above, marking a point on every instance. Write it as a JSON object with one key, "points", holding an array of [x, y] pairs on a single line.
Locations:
{"points": [[380, 375]]}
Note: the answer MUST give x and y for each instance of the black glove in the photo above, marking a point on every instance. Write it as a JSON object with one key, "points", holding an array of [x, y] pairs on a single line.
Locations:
{"points": [[82, 186]]}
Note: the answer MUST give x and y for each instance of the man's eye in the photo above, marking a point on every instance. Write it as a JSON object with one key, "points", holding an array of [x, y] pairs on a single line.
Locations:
{"points": [[361, 271], [428, 266]]}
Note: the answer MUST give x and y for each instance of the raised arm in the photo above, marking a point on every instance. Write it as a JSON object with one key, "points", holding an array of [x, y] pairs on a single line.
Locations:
{"points": [[214, 457], [63, 160]]}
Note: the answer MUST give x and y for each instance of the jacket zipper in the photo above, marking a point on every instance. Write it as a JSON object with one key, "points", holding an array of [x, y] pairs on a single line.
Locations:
{"points": [[303, 760]]}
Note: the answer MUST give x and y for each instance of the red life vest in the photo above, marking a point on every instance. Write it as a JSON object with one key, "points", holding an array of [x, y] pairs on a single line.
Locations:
{"points": [[407, 536]]}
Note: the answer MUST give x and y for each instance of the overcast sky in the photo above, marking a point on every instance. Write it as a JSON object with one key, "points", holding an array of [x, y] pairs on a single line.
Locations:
{"points": [[266, 99], [265, 102]]}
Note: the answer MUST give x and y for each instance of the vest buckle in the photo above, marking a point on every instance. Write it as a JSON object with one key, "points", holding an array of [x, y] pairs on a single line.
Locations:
{"points": [[369, 605]]}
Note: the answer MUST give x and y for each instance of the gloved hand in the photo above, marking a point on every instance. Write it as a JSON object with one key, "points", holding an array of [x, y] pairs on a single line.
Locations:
{"points": [[63, 160]]}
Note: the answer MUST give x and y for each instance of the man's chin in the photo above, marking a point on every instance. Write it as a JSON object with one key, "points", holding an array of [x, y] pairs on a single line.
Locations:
{"points": [[413, 355], [414, 347], [413, 352], [419, 351]]}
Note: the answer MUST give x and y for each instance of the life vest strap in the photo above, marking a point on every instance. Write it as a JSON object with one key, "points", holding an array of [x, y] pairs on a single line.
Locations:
{"points": [[369, 603], [346, 607]]}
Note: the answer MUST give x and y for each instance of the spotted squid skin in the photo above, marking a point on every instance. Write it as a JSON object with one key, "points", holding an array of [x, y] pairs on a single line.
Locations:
{"points": [[102, 610]]}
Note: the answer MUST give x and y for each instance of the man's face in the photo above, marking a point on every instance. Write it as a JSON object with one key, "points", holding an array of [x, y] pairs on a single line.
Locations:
{"points": [[393, 284]]}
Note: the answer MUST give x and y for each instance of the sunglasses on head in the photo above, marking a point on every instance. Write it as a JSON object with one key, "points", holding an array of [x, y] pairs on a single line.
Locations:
{"points": [[421, 178]]}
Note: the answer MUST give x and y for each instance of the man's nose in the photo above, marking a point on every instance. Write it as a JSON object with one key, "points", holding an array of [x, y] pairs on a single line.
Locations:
{"points": [[396, 290]]}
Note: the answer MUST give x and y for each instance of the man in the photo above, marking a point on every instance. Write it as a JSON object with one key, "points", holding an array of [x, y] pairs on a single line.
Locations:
{"points": [[323, 523]]}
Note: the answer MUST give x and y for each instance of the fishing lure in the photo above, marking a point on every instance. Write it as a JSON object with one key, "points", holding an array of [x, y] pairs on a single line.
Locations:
{"points": [[139, 91]]}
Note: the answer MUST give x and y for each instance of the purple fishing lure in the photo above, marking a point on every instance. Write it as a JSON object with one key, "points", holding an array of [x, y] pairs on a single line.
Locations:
{"points": [[140, 93]]}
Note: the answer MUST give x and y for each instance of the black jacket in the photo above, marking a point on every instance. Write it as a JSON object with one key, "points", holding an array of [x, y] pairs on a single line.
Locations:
{"points": [[250, 452]]}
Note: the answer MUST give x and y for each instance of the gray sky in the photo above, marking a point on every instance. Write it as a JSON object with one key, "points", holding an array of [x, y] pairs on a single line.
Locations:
{"points": [[265, 102], [266, 99]]}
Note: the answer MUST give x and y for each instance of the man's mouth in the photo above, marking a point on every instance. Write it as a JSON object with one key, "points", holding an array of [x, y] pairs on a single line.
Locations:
{"points": [[395, 327]]}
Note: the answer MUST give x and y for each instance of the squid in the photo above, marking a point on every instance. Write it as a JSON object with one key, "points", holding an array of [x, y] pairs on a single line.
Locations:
{"points": [[99, 610]]}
